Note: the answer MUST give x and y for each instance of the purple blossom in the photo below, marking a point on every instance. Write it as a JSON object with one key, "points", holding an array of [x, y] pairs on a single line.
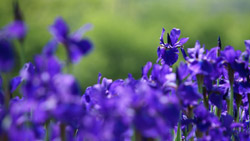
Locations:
{"points": [[75, 46], [168, 52], [163, 100], [6, 55]]}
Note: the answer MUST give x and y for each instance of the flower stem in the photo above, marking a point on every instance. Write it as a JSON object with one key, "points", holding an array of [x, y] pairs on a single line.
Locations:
{"points": [[190, 116], [231, 81], [238, 103], [178, 136], [47, 130], [200, 81], [63, 132], [248, 96], [218, 112], [21, 49], [231, 101]]}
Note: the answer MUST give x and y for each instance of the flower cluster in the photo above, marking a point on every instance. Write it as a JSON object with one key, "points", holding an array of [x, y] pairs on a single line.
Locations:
{"points": [[207, 97]]}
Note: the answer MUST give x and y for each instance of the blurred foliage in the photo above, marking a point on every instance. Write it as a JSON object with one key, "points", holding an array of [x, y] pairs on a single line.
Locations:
{"points": [[126, 32]]}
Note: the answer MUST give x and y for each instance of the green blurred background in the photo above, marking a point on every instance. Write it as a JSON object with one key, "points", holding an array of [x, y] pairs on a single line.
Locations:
{"points": [[126, 32]]}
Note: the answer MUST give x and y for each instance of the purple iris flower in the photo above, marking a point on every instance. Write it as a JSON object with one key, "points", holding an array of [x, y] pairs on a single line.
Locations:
{"points": [[76, 46], [168, 52], [204, 63], [216, 95], [188, 93], [233, 58], [204, 119], [16, 30], [198, 65]]}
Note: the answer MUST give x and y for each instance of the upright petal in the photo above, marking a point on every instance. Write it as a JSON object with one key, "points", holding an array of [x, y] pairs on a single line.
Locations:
{"points": [[14, 83], [247, 44], [161, 38], [59, 30], [174, 35], [229, 54], [145, 69], [80, 32]]}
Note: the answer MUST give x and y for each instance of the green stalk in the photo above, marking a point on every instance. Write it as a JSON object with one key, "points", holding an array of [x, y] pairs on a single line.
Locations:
{"points": [[178, 136], [63, 132], [231, 80], [231, 110], [136, 136], [248, 96], [238, 103], [200, 81], [190, 115], [185, 133], [204, 91], [4, 137], [47, 130], [7, 94], [21, 50], [217, 111], [238, 114]]}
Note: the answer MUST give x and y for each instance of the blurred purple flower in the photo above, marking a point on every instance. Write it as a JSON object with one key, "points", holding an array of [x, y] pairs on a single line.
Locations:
{"points": [[75, 46], [6, 55]]}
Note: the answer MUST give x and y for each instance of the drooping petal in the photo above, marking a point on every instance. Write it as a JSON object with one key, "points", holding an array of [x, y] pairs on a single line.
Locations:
{"points": [[78, 49], [201, 67], [216, 99], [85, 46], [188, 93], [182, 71], [6, 55], [170, 56], [226, 120]]}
